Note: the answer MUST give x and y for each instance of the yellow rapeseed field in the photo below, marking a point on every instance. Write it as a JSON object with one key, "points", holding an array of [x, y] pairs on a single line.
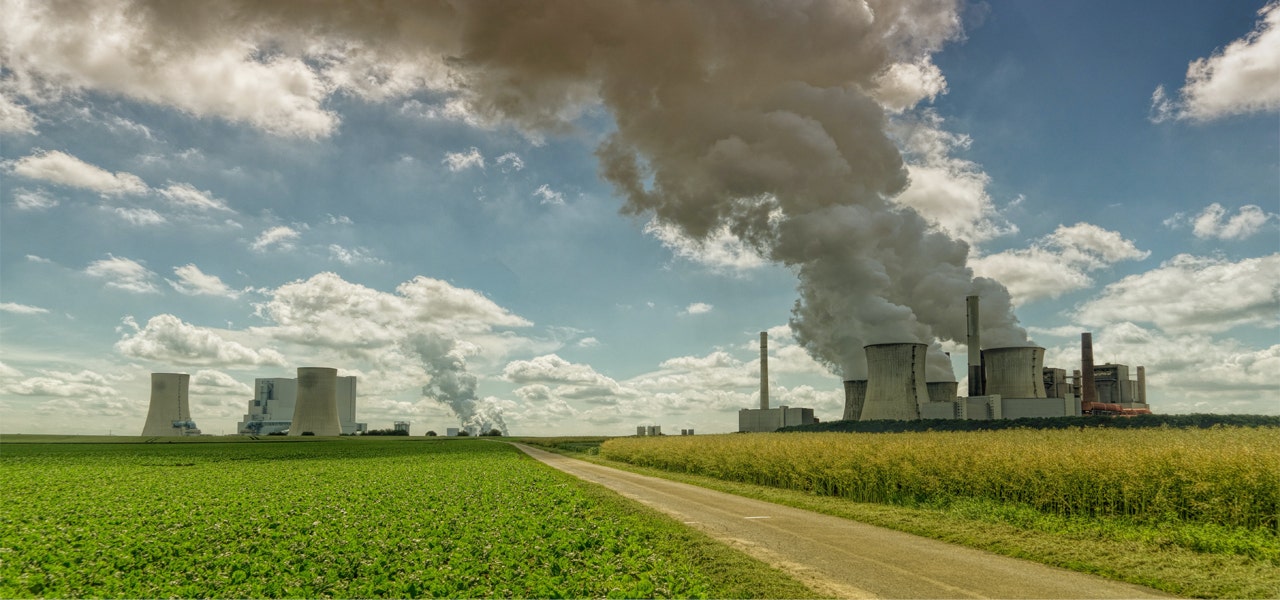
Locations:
{"points": [[1226, 476]]}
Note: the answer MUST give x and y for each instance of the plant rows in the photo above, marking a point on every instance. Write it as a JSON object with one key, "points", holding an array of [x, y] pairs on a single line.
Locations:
{"points": [[1223, 476], [340, 518]]}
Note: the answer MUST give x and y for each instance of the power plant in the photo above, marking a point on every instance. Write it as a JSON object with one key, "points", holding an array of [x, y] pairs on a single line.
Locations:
{"points": [[170, 410], [316, 410], [272, 407], [1004, 383], [765, 419]]}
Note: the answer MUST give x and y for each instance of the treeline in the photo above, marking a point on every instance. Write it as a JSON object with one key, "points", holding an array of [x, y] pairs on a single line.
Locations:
{"points": [[1196, 421], [387, 432]]}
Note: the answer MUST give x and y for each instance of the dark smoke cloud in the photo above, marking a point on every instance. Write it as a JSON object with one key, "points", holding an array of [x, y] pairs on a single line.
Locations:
{"points": [[755, 115]]}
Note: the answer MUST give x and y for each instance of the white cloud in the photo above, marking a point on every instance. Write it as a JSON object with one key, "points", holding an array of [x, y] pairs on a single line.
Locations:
{"points": [[572, 381], [85, 386], [905, 84], [548, 195], [1058, 263], [168, 339], [721, 251], [64, 169], [38, 259], [140, 217], [194, 282], [7, 372], [280, 237], [510, 162], [353, 256], [454, 109], [1242, 78], [1193, 294], [1210, 224], [14, 118], [697, 308], [124, 274], [588, 342], [187, 196], [33, 200], [949, 191], [209, 382], [458, 161], [21, 309]]}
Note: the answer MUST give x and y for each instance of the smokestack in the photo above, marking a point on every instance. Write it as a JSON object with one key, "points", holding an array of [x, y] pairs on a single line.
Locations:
{"points": [[855, 395], [976, 387], [1088, 389], [895, 382], [1142, 384], [1014, 372], [316, 409], [170, 412], [764, 370]]}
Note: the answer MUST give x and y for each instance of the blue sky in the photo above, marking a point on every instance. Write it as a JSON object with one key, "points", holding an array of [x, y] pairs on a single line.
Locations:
{"points": [[424, 199]]}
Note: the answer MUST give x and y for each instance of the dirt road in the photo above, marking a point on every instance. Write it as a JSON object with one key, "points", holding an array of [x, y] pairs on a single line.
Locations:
{"points": [[841, 558]]}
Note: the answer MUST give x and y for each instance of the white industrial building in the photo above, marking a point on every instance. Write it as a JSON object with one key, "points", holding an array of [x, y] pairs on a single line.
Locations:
{"points": [[275, 398]]}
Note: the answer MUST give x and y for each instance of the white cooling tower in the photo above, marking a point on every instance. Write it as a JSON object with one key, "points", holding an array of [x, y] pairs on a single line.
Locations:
{"points": [[316, 409], [855, 395], [1016, 372], [895, 382], [943, 391], [170, 413]]}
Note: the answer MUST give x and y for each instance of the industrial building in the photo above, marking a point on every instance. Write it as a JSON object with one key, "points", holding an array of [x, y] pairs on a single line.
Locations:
{"points": [[765, 419], [272, 407], [1004, 383], [170, 410], [648, 430]]}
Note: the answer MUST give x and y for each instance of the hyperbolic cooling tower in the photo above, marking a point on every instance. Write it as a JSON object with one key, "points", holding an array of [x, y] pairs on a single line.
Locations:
{"points": [[855, 395], [895, 382], [942, 391], [1016, 372], [169, 414], [316, 409]]}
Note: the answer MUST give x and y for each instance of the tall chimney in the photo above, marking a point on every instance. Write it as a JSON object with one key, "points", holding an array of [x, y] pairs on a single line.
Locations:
{"points": [[975, 348], [1088, 389], [764, 370], [1142, 384]]}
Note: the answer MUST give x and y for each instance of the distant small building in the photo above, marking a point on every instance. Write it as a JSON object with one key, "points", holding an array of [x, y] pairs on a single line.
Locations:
{"points": [[755, 420], [401, 426], [451, 432]]}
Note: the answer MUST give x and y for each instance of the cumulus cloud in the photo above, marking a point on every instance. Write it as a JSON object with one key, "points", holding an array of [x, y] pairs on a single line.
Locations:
{"points": [[905, 84], [1058, 263], [186, 195], [86, 387], [22, 309], [1242, 78], [721, 251], [1193, 294], [15, 118], [510, 162], [210, 382], [458, 161], [33, 200], [1213, 222], [194, 282], [546, 195], [123, 273], [352, 256], [64, 169], [168, 339], [697, 308], [588, 342], [572, 381], [281, 237], [139, 217]]}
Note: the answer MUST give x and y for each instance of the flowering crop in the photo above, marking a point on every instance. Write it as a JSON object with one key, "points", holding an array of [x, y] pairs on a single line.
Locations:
{"points": [[333, 518]]}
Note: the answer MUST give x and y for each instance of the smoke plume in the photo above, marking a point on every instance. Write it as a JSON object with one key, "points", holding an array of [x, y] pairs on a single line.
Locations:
{"points": [[758, 115]]}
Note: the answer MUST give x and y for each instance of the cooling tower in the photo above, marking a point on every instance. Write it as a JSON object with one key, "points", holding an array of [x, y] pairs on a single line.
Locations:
{"points": [[764, 370], [1016, 372], [975, 346], [943, 391], [316, 409], [855, 395], [895, 382], [169, 414], [1088, 387]]}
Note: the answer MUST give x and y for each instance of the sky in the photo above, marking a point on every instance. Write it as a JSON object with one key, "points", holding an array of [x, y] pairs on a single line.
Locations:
{"points": [[575, 218]]}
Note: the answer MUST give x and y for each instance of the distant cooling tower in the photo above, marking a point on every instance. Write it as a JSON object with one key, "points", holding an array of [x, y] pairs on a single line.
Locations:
{"points": [[942, 391], [170, 413], [316, 409], [895, 382], [1016, 372], [855, 395]]}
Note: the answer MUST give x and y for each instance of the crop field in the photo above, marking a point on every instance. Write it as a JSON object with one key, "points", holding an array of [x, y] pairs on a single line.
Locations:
{"points": [[330, 518]]}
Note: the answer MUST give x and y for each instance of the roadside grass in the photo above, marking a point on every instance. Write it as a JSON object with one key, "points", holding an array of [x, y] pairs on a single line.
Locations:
{"points": [[340, 518], [1195, 560]]}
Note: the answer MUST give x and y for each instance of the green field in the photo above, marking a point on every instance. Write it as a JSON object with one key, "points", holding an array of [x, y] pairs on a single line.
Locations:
{"points": [[1194, 512], [338, 518]]}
